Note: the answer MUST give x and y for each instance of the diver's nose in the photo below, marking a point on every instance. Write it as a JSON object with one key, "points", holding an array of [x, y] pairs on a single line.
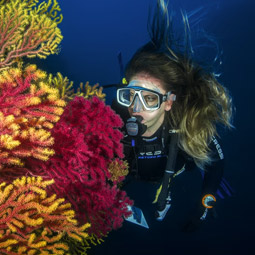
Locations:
{"points": [[137, 105]]}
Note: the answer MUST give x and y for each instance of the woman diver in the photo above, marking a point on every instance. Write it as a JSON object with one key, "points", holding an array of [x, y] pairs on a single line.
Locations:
{"points": [[171, 107]]}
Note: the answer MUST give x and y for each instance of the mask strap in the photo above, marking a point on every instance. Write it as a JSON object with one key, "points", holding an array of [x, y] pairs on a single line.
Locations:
{"points": [[171, 96]]}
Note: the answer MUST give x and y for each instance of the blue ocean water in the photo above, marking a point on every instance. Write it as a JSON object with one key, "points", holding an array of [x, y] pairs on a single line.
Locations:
{"points": [[96, 31]]}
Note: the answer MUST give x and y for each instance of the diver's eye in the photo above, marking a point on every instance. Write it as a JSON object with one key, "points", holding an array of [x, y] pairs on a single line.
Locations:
{"points": [[150, 99]]}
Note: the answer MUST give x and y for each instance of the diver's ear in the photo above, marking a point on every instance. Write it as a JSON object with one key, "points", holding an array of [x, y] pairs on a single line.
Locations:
{"points": [[168, 104]]}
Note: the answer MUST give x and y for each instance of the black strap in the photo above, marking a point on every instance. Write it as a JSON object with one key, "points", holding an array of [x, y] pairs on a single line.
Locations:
{"points": [[115, 85], [170, 170]]}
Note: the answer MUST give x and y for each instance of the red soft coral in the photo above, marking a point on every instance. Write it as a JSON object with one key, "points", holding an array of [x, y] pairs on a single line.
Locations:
{"points": [[87, 140], [29, 107]]}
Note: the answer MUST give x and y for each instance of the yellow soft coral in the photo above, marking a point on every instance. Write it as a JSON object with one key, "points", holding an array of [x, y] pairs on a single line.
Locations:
{"points": [[50, 8], [68, 92], [118, 169], [88, 91], [33, 223], [26, 31]]}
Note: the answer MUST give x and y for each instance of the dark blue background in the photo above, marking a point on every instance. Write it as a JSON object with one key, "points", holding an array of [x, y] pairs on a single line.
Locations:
{"points": [[96, 30]]}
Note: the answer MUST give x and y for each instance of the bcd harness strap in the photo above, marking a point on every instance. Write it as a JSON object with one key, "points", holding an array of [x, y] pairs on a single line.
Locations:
{"points": [[169, 173], [160, 187]]}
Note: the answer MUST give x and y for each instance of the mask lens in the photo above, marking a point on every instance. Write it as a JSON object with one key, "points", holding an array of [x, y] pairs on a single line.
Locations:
{"points": [[150, 99], [125, 97]]}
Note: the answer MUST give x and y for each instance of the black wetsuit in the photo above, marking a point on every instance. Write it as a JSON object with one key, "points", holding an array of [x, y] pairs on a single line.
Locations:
{"points": [[147, 157]]}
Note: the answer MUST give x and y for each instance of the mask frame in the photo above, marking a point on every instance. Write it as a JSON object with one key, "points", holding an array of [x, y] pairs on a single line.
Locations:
{"points": [[138, 92]]}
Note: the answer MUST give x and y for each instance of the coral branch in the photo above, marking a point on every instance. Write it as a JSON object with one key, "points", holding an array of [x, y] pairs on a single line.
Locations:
{"points": [[31, 222], [68, 93], [25, 32], [28, 108], [51, 9], [88, 91]]}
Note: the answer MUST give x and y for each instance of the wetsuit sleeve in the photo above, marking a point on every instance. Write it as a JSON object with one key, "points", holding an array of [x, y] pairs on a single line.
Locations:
{"points": [[212, 178], [213, 173]]}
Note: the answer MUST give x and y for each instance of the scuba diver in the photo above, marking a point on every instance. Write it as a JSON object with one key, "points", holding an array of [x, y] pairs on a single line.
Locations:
{"points": [[171, 108]]}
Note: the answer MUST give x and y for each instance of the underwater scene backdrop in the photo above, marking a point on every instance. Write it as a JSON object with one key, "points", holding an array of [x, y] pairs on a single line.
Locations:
{"points": [[95, 34]]}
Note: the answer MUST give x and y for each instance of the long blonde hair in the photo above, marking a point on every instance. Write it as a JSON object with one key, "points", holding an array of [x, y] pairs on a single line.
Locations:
{"points": [[201, 101]]}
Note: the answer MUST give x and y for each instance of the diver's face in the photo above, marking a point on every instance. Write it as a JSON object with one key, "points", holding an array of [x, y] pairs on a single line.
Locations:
{"points": [[152, 119]]}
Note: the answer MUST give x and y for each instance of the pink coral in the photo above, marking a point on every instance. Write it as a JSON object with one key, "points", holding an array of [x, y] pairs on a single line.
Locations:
{"points": [[87, 140]]}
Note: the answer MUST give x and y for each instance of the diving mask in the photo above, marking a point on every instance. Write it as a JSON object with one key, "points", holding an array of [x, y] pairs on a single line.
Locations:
{"points": [[141, 97]]}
